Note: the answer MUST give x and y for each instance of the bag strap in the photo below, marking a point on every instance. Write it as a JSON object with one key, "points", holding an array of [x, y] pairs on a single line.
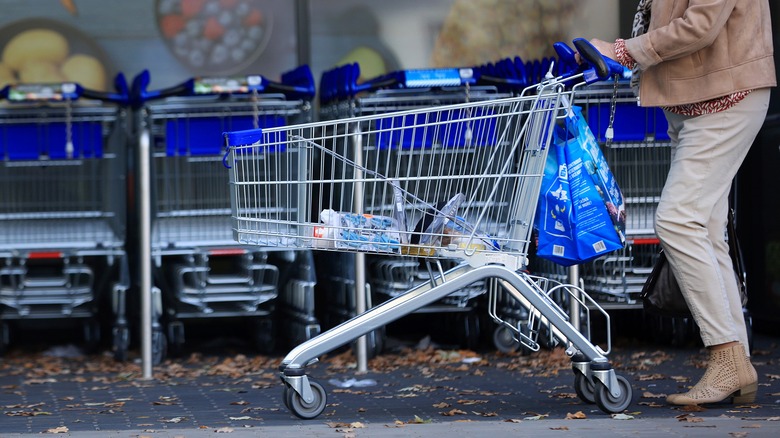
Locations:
{"points": [[735, 251]]}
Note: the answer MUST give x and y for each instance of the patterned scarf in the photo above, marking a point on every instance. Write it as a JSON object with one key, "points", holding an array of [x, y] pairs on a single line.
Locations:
{"points": [[641, 23]]}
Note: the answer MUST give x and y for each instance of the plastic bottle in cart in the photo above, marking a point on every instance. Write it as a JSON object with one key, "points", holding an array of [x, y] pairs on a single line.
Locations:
{"points": [[360, 232]]}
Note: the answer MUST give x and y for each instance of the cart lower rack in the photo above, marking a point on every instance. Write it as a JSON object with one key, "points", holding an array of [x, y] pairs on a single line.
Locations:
{"points": [[452, 182]]}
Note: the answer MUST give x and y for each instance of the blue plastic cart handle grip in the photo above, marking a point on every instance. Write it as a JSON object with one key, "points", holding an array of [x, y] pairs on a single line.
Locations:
{"points": [[603, 67]]}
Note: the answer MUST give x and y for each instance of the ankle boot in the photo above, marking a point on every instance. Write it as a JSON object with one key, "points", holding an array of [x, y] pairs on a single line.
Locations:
{"points": [[729, 374]]}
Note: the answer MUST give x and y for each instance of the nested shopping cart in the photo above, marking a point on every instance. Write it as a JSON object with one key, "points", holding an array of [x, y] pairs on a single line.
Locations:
{"points": [[343, 96], [63, 152], [200, 273], [471, 189]]}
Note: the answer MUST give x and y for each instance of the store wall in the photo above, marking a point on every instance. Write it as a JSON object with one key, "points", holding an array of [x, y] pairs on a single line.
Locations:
{"points": [[402, 34], [173, 39], [179, 39]]}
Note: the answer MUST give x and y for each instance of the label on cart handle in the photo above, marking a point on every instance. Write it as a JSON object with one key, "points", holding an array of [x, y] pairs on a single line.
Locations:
{"points": [[440, 77], [38, 92], [227, 85]]}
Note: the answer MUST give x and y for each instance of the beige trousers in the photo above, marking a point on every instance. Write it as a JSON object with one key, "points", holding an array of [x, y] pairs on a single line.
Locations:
{"points": [[692, 213]]}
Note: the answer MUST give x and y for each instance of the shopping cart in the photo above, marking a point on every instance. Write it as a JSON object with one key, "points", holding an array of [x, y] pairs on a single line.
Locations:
{"points": [[200, 273], [62, 210], [402, 173]]}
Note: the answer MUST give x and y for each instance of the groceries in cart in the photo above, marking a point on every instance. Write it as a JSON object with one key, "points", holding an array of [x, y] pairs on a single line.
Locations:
{"points": [[363, 232], [440, 227]]}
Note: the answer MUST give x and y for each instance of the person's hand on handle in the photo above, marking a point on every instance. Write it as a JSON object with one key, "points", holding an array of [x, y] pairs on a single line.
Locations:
{"points": [[605, 48]]}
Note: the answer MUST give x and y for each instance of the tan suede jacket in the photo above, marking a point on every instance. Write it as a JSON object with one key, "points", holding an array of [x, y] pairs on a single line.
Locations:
{"points": [[696, 50]]}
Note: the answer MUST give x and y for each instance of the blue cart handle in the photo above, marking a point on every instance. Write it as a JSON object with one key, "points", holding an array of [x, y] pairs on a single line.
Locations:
{"points": [[603, 68]]}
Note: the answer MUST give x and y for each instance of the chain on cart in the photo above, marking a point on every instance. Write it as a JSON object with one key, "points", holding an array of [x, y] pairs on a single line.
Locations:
{"points": [[199, 271], [63, 156], [450, 182]]}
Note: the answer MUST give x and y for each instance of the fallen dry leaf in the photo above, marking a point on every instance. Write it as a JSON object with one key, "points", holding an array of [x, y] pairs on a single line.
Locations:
{"points": [[579, 415], [689, 418], [485, 414], [738, 434], [453, 412], [59, 429], [644, 377], [559, 428], [471, 402], [224, 430], [648, 394]]}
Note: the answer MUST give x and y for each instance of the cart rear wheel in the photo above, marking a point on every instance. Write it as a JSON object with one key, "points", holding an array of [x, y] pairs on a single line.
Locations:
{"points": [[159, 347], [504, 340], [120, 343], [4, 337], [91, 335], [584, 388], [613, 405], [303, 410]]}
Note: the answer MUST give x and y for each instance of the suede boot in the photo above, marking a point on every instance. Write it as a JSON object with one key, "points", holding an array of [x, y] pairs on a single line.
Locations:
{"points": [[729, 374]]}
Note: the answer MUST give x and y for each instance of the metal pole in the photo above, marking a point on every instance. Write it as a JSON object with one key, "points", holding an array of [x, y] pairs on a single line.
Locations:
{"points": [[574, 304], [360, 258], [145, 253]]}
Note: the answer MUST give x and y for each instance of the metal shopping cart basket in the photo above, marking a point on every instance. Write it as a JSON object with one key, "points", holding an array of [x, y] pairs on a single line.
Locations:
{"points": [[62, 209], [200, 271], [499, 146], [342, 96]]}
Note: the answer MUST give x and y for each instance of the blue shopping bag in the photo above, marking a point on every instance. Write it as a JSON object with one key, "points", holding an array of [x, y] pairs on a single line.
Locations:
{"points": [[581, 214]]}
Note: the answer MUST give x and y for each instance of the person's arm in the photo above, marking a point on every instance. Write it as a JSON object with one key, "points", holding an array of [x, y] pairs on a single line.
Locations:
{"points": [[696, 29]]}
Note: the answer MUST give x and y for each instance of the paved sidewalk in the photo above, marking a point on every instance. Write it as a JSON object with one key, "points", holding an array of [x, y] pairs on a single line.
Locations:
{"points": [[410, 393]]}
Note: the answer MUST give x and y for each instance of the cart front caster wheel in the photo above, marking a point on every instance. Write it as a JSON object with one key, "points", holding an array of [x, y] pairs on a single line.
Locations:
{"points": [[300, 408], [583, 386], [504, 340], [613, 405]]}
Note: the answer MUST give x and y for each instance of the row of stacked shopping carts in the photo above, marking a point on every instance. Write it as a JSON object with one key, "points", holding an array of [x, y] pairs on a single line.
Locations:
{"points": [[70, 204], [69, 212]]}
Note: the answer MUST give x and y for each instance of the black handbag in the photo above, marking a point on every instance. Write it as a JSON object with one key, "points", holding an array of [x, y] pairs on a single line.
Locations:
{"points": [[661, 294]]}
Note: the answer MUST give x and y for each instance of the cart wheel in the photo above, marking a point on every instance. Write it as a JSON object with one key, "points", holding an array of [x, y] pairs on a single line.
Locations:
{"points": [[4, 337], [612, 405], [470, 331], [120, 343], [303, 410], [680, 331], [91, 335], [376, 342], [584, 388], [264, 336], [159, 347], [504, 340]]}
